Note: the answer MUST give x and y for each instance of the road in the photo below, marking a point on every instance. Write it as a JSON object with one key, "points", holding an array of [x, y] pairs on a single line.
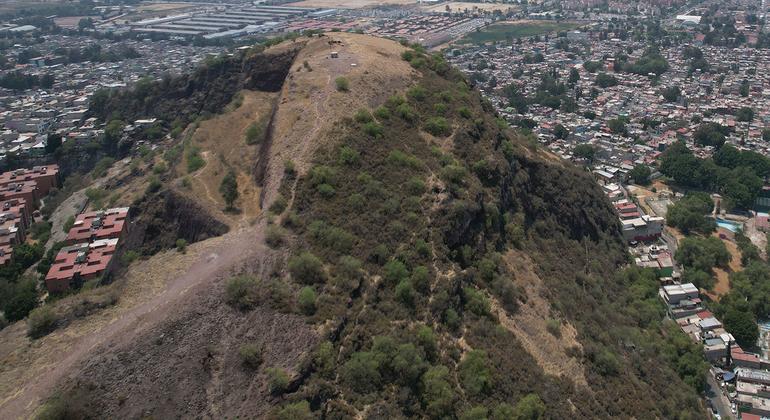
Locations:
{"points": [[717, 398]]}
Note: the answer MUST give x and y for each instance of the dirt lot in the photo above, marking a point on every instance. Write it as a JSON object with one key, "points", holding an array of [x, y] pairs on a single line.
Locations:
{"points": [[221, 140], [722, 285], [458, 6], [348, 4]]}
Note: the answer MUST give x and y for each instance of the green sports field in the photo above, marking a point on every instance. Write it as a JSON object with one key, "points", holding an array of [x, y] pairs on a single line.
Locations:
{"points": [[503, 31]]}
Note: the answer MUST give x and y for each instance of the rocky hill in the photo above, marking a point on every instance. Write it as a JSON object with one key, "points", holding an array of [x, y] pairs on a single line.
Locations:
{"points": [[415, 257]]}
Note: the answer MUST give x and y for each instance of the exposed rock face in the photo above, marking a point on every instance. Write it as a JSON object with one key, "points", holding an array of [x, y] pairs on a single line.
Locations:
{"points": [[161, 219]]}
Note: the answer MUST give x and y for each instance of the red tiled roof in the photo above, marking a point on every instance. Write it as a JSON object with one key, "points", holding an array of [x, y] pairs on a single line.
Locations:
{"points": [[97, 225], [83, 259]]}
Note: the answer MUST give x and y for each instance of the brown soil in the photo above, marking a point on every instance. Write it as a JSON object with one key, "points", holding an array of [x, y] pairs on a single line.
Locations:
{"points": [[528, 324], [223, 147], [722, 285]]}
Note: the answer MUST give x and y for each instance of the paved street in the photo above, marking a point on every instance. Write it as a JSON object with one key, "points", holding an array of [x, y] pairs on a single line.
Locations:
{"points": [[718, 400]]}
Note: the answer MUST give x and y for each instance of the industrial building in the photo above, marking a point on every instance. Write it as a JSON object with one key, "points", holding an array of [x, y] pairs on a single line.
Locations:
{"points": [[226, 21]]}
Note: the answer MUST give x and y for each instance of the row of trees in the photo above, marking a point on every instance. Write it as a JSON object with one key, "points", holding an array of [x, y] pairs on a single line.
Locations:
{"points": [[22, 81], [733, 173]]}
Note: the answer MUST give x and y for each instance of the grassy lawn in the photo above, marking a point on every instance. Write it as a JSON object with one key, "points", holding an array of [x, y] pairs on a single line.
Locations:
{"points": [[503, 31]]}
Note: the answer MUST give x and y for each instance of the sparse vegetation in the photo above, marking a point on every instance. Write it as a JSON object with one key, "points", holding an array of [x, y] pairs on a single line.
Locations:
{"points": [[229, 189], [251, 355], [242, 291], [278, 380], [42, 321], [342, 83]]}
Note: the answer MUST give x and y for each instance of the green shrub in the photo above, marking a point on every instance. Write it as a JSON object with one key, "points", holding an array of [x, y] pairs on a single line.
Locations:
{"points": [[438, 126], [278, 205], [289, 168], [417, 93], [68, 224], [475, 413], [400, 158], [452, 319], [326, 190], [394, 272], [407, 113], [453, 174], [42, 321], [474, 373], [347, 272], [464, 112], [294, 411], [363, 116], [331, 237], [421, 279], [274, 236], [242, 291], [395, 101], [306, 268], [426, 339], [251, 355], [438, 394], [372, 129], [362, 372], [255, 132], [348, 155], [529, 407], [322, 174], [418, 62], [407, 55], [553, 326], [96, 196], [277, 380], [382, 113], [129, 256], [415, 186], [181, 245], [356, 201], [194, 160], [405, 292], [307, 300], [153, 186], [606, 362], [343, 85], [101, 167], [475, 301], [440, 108]]}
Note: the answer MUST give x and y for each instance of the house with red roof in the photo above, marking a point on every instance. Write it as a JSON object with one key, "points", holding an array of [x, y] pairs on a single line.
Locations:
{"points": [[96, 225], [79, 263]]}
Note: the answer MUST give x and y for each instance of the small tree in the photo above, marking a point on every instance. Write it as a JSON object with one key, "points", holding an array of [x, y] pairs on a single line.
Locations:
{"points": [[306, 268], [229, 189], [306, 300], [585, 151], [560, 131], [640, 174]]}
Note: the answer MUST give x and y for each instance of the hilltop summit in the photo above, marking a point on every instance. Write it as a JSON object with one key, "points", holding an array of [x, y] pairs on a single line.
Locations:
{"points": [[404, 254]]}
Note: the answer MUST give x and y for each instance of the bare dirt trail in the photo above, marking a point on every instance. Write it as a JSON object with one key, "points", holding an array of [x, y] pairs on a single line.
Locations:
{"points": [[231, 251]]}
